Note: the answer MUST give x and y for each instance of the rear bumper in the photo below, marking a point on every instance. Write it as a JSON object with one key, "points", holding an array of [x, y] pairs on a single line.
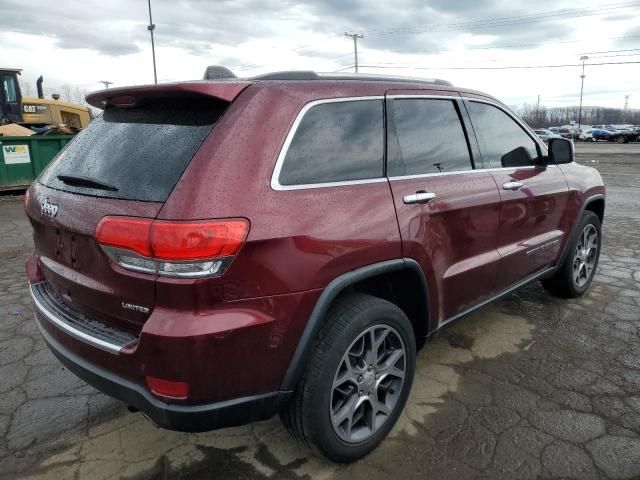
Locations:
{"points": [[185, 418]]}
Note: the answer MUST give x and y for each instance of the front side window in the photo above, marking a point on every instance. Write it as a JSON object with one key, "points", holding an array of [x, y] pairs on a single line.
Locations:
{"points": [[430, 138], [503, 142], [336, 142]]}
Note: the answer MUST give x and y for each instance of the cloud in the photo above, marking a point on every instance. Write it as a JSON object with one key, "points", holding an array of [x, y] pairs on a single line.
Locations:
{"points": [[71, 27]]}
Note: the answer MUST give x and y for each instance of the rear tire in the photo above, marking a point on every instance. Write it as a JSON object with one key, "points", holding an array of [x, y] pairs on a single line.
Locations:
{"points": [[574, 276], [353, 391]]}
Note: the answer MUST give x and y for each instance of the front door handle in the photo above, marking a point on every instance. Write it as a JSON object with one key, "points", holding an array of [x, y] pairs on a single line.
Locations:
{"points": [[512, 185], [418, 197]]}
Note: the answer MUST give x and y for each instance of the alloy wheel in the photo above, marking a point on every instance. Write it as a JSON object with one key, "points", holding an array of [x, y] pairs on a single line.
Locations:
{"points": [[586, 253], [367, 384]]}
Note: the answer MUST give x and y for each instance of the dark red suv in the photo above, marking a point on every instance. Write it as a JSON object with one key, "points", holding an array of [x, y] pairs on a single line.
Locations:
{"points": [[215, 252]]}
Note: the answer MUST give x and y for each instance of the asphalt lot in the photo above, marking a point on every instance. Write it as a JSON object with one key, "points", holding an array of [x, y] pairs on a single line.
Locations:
{"points": [[530, 387]]}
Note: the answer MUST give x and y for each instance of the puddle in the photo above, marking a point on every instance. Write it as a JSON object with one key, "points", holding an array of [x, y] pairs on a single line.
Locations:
{"points": [[130, 447]]}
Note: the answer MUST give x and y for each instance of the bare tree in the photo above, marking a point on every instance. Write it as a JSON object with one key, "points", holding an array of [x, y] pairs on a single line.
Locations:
{"points": [[25, 87], [549, 116], [66, 92]]}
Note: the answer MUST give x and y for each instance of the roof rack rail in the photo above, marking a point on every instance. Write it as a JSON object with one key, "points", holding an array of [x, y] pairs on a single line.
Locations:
{"points": [[311, 75], [288, 75]]}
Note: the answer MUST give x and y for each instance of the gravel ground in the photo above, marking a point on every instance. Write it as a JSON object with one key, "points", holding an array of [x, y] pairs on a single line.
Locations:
{"points": [[530, 387]]}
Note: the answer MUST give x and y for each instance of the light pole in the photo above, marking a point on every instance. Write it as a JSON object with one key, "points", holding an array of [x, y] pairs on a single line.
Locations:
{"points": [[582, 58], [626, 107], [355, 37], [151, 27]]}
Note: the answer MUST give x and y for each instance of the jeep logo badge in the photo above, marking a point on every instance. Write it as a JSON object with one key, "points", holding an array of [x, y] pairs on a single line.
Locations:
{"points": [[48, 209]]}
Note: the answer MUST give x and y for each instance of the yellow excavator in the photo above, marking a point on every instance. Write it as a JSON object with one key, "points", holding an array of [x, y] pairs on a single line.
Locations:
{"points": [[37, 112]]}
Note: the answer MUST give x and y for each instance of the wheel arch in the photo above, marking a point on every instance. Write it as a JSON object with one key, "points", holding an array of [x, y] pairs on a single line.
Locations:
{"points": [[595, 204], [369, 279]]}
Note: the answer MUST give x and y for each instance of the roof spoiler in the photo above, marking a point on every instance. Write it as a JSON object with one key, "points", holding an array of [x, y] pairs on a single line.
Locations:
{"points": [[129, 96]]}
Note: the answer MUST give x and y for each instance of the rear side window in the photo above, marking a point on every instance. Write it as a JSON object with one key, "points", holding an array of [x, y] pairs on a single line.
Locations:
{"points": [[430, 138], [503, 142], [141, 152], [335, 142]]}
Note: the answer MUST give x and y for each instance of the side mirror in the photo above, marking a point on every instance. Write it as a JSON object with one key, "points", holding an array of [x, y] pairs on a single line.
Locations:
{"points": [[561, 150]]}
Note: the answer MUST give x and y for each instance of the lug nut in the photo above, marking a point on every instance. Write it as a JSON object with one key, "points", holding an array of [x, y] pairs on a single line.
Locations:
{"points": [[360, 378], [360, 393], [370, 391], [370, 368]]}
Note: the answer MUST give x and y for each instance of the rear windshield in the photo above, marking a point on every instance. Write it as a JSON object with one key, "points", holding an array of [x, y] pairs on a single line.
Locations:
{"points": [[134, 153]]}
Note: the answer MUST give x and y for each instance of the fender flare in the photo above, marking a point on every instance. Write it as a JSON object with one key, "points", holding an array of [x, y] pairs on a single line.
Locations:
{"points": [[574, 229], [329, 294]]}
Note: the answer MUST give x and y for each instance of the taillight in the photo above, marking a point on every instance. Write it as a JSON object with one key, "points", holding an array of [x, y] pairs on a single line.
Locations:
{"points": [[128, 233], [189, 249], [197, 240]]}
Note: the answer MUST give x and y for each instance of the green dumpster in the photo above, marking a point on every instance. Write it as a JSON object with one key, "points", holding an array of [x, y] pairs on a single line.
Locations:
{"points": [[23, 158]]}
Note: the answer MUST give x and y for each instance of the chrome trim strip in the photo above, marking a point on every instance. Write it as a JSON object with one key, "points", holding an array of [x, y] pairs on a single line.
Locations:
{"points": [[96, 342], [275, 176], [460, 172], [275, 184], [544, 246], [454, 96]]}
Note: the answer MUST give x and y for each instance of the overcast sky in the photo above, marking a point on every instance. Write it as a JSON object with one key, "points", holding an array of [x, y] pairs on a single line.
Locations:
{"points": [[82, 42]]}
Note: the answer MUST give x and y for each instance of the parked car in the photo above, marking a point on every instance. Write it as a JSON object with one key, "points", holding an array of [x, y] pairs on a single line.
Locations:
{"points": [[621, 136], [570, 133], [545, 134], [285, 243], [594, 134]]}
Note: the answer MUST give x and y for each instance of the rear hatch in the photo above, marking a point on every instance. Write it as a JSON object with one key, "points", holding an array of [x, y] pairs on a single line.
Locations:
{"points": [[125, 163]]}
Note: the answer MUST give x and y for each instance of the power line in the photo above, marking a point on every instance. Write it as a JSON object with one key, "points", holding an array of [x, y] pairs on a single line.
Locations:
{"points": [[612, 51], [492, 47], [496, 68], [619, 55], [342, 69], [508, 21]]}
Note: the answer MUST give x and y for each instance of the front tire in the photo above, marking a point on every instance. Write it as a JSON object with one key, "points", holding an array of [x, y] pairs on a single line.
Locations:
{"points": [[574, 276], [357, 381]]}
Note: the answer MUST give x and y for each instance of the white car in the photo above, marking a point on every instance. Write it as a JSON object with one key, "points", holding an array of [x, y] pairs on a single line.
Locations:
{"points": [[545, 134]]}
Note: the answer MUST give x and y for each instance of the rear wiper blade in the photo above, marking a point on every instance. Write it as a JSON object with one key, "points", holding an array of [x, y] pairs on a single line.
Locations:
{"points": [[82, 181]]}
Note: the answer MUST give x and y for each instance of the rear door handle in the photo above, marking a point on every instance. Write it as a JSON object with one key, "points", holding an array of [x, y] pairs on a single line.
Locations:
{"points": [[512, 185], [418, 197]]}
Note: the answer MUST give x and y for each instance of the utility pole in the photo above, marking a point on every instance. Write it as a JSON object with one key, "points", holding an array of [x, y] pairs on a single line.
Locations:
{"points": [[582, 58], [355, 37], [151, 27], [626, 107], [106, 83], [538, 112]]}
